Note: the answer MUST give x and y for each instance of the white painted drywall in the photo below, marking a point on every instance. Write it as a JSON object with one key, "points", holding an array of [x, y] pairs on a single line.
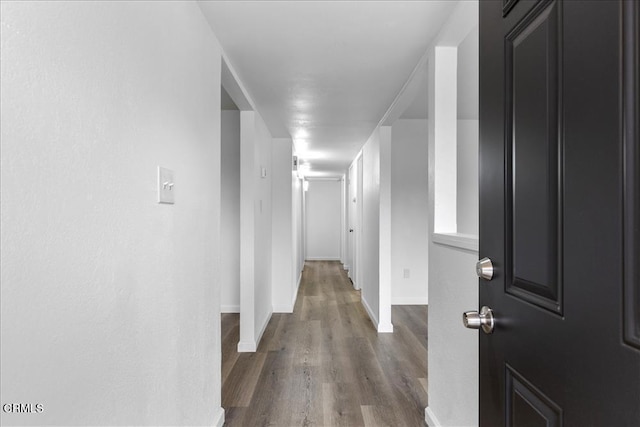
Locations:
{"points": [[467, 135], [352, 214], [304, 222], [453, 286], [453, 349], [384, 284], [468, 76], [323, 220], [467, 177], [359, 219], [344, 221], [409, 212], [110, 301], [249, 175], [284, 241], [255, 229], [443, 67], [230, 211], [263, 228], [297, 205], [369, 250]]}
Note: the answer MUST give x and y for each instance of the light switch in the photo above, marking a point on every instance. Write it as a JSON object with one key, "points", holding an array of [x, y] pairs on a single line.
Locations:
{"points": [[166, 186]]}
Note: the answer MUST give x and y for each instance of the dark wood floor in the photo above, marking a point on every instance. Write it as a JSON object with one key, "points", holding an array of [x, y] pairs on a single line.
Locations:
{"points": [[325, 365]]}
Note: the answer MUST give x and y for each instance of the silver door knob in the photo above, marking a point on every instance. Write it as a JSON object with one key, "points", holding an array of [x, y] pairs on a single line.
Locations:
{"points": [[484, 269], [475, 320]]}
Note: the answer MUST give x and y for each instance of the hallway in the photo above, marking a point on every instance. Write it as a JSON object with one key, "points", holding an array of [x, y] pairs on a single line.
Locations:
{"points": [[325, 364]]}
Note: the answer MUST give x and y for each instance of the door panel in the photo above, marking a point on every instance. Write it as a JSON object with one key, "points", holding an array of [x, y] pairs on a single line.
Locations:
{"points": [[526, 405], [534, 170], [507, 5], [559, 214]]}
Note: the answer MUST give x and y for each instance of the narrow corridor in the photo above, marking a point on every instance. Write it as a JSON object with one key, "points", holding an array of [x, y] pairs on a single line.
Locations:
{"points": [[325, 364]]}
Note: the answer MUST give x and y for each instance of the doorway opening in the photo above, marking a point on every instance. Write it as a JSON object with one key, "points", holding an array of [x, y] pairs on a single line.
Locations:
{"points": [[230, 204]]}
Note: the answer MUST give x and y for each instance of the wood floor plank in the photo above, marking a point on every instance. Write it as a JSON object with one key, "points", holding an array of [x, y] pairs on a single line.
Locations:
{"points": [[239, 392], [307, 348], [339, 406], [325, 364], [424, 384], [268, 406], [380, 416], [304, 405], [230, 337], [269, 335], [234, 415]]}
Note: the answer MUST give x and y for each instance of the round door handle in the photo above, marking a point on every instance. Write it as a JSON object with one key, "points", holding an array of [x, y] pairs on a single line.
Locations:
{"points": [[351, 230], [475, 320], [484, 269]]}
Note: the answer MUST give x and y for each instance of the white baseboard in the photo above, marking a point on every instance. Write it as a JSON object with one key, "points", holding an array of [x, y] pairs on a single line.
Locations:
{"points": [[380, 328], [430, 418], [218, 420], [229, 309], [322, 258], [285, 308], [250, 346], [289, 308], [295, 294], [385, 328], [372, 316], [346, 267], [264, 326], [247, 347], [410, 301]]}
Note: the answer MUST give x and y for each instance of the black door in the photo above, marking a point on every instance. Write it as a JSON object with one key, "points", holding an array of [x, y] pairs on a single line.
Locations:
{"points": [[559, 213]]}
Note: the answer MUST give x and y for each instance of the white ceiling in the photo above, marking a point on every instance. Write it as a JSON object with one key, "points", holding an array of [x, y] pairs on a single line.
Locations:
{"points": [[325, 72]]}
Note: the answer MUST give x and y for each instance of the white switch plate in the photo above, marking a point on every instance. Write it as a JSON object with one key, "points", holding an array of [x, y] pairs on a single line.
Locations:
{"points": [[166, 186]]}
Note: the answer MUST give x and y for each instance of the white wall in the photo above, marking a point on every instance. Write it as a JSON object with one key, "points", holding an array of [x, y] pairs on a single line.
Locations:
{"points": [[468, 135], [110, 301], [467, 177], [230, 211], [369, 254], [373, 227], [453, 286], [255, 229], [344, 226], [384, 221], [286, 233], [359, 219], [297, 207], [323, 220], [409, 212], [263, 228], [352, 219], [453, 350]]}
